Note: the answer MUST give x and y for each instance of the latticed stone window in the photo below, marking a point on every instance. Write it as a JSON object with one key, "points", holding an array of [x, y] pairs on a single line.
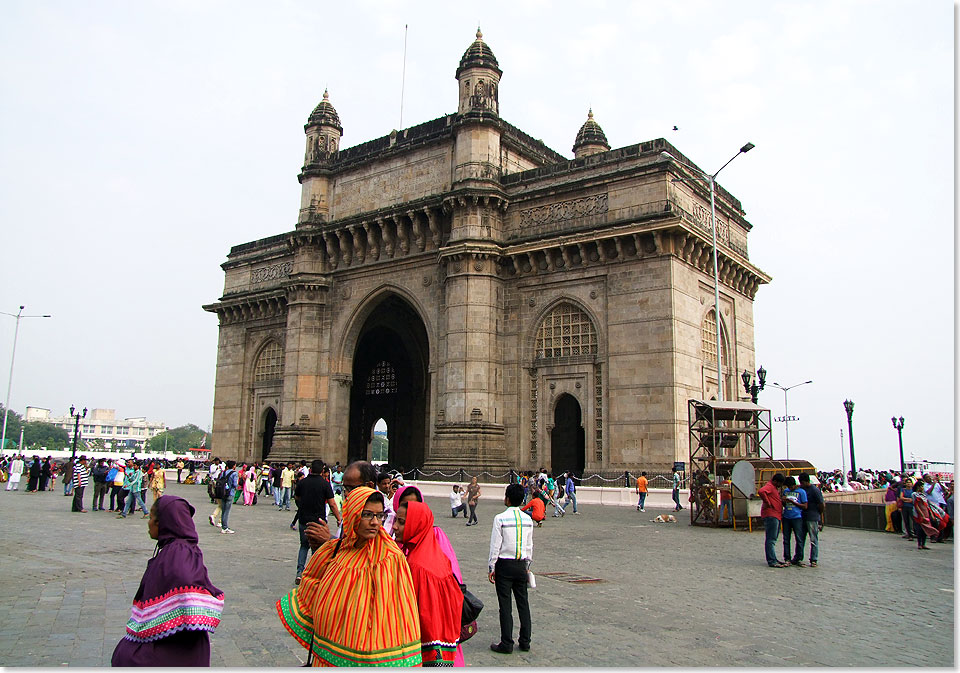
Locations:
{"points": [[382, 380], [708, 333], [269, 365], [566, 331]]}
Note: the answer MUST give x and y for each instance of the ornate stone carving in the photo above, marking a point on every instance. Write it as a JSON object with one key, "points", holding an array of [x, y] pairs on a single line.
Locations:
{"points": [[273, 272], [564, 210]]}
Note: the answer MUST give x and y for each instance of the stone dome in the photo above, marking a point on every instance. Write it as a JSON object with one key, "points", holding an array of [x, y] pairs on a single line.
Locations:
{"points": [[590, 134], [479, 55], [325, 113]]}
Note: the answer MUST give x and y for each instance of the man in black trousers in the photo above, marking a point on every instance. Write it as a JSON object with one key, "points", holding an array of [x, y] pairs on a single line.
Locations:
{"points": [[511, 551]]}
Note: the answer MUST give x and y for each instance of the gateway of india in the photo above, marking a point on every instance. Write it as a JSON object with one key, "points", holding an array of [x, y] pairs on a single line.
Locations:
{"points": [[497, 304]]}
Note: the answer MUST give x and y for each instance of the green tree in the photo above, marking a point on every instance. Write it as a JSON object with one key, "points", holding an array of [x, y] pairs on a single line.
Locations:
{"points": [[38, 433], [14, 423], [177, 440], [379, 448]]}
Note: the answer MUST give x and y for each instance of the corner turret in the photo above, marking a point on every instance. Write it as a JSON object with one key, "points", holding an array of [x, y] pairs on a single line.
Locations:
{"points": [[479, 78], [323, 131], [590, 138]]}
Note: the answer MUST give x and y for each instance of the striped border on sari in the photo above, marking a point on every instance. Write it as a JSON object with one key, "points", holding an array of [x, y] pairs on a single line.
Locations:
{"points": [[338, 655]]}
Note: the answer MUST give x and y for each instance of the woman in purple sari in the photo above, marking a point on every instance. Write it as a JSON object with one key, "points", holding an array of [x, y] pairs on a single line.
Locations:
{"points": [[176, 607]]}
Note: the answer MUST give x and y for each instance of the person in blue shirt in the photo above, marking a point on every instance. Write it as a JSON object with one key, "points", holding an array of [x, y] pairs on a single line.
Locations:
{"points": [[571, 489], [794, 502], [231, 488]]}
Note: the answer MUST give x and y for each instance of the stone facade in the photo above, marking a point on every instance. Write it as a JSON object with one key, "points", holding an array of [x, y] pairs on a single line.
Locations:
{"points": [[494, 302]]}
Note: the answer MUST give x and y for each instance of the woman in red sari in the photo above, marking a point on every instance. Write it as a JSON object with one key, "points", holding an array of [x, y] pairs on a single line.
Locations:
{"points": [[439, 597], [923, 526]]}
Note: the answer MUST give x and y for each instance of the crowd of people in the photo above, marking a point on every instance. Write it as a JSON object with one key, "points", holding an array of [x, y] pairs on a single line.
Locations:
{"points": [[921, 509], [125, 481], [386, 577]]}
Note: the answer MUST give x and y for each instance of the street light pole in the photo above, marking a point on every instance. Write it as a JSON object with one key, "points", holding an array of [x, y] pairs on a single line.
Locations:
{"points": [[76, 430], [6, 405], [848, 406], [898, 424], [786, 418], [712, 181]]}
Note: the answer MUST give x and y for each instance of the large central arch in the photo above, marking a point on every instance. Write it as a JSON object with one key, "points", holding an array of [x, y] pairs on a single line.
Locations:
{"points": [[391, 381]]}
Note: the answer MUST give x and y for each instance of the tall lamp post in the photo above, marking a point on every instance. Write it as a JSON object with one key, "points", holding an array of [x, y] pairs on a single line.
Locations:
{"points": [[711, 180], [786, 418], [752, 388], [848, 406], [898, 424], [76, 430], [6, 405]]}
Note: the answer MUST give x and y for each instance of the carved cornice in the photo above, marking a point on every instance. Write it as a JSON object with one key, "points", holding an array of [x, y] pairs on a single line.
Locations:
{"points": [[671, 236], [307, 288], [249, 306], [471, 258], [468, 198]]}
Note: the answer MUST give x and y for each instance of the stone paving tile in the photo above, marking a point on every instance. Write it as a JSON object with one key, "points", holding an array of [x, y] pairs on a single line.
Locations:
{"points": [[672, 594]]}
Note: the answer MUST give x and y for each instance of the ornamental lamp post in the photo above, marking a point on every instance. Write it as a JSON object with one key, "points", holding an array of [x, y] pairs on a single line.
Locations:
{"points": [[898, 424], [751, 388], [848, 406], [76, 430], [711, 180]]}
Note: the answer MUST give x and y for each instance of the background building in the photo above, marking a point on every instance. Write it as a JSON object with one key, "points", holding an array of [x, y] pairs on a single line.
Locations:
{"points": [[102, 424], [494, 302]]}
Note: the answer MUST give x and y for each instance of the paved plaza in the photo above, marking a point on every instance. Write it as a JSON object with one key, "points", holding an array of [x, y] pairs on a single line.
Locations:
{"points": [[670, 595]]}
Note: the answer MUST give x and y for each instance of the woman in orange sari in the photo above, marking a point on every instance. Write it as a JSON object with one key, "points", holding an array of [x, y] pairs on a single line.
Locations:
{"points": [[355, 605]]}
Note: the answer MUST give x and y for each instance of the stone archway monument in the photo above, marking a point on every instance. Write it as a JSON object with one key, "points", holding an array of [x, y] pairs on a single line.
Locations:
{"points": [[457, 277]]}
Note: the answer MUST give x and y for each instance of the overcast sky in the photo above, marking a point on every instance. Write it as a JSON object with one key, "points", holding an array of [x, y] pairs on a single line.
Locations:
{"points": [[140, 140]]}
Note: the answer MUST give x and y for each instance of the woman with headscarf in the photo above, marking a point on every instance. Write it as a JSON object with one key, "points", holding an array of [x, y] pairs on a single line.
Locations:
{"points": [[176, 607], [249, 486], [35, 471], [158, 483], [355, 604], [412, 493], [439, 597], [922, 525], [45, 473]]}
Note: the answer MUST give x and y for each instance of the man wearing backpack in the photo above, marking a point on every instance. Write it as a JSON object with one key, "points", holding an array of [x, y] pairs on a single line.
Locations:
{"points": [[225, 488], [216, 469]]}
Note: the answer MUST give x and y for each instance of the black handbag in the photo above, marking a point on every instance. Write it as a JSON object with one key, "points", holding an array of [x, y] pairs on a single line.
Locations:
{"points": [[472, 606]]}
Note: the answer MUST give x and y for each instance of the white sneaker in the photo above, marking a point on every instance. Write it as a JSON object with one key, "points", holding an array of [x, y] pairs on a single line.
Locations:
{"points": [[212, 521], [642, 509], [227, 531]]}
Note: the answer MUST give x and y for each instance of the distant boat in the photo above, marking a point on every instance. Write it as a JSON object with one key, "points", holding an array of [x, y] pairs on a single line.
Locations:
{"points": [[941, 468]]}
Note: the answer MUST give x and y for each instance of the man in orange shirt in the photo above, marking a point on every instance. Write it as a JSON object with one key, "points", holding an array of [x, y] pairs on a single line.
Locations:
{"points": [[642, 491], [537, 505]]}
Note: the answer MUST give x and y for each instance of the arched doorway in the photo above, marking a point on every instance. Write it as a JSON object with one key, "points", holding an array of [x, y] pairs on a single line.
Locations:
{"points": [[391, 382], [567, 439], [269, 426], [380, 444]]}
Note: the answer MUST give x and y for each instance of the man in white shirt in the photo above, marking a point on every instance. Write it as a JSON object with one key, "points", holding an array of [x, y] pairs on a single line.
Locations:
{"points": [[511, 551], [216, 469], [16, 469], [456, 502]]}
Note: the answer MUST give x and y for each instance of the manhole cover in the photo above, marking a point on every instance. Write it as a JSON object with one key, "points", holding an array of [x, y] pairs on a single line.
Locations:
{"points": [[571, 578]]}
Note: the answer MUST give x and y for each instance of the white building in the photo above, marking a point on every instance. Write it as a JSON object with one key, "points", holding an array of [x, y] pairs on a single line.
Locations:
{"points": [[102, 424]]}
